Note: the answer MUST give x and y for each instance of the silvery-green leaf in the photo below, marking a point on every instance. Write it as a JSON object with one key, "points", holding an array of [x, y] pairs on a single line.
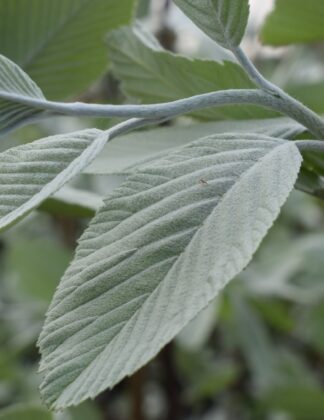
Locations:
{"points": [[60, 43], [141, 147], [158, 251], [223, 20], [31, 173], [15, 83]]}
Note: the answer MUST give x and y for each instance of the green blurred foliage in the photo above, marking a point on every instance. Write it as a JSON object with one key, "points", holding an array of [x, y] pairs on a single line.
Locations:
{"points": [[255, 353]]}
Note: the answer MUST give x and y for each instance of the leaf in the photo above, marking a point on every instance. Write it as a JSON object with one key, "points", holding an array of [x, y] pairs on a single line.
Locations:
{"points": [[222, 20], [72, 202], [255, 343], [150, 74], [294, 21], [156, 254], [15, 83], [31, 173], [60, 43], [141, 147]]}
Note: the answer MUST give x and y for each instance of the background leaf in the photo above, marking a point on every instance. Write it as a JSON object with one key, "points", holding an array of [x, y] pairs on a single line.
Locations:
{"points": [[223, 20], [176, 231], [150, 74], [294, 21], [60, 43]]}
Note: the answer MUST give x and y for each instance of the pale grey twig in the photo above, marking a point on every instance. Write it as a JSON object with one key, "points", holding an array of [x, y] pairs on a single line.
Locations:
{"points": [[172, 109], [312, 121], [310, 145]]}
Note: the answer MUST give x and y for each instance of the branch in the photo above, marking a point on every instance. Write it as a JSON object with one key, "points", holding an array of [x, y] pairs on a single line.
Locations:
{"points": [[310, 145], [303, 114], [172, 109]]}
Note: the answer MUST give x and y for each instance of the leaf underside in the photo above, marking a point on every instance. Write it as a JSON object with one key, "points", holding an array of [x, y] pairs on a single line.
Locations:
{"points": [[156, 253], [31, 173], [223, 20], [14, 81]]}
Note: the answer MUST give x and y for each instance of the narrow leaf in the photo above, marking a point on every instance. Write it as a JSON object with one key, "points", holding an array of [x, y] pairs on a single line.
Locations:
{"points": [[157, 252], [31, 173], [223, 20]]}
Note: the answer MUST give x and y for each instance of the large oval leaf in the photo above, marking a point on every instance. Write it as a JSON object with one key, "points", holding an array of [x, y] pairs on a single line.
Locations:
{"points": [[31, 173], [222, 20], [157, 252]]}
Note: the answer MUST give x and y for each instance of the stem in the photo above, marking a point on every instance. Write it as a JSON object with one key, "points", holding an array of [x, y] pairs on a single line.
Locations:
{"points": [[310, 145], [128, 125], [172, 109], [310, 119], [161, 110]]}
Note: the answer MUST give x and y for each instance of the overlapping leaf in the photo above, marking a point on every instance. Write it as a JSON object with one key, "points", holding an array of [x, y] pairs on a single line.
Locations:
{"points": [[223, 20], [31, 173], [157, 252], [150, 74], [15, 83], [59, 43]]}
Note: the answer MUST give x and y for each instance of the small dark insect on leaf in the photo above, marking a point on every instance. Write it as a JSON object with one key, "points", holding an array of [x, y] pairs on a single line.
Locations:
{"points": [[203, 182]]}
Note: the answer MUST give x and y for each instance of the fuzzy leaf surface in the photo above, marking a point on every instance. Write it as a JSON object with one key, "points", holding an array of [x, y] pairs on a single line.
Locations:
{"points": [[222, 20], [14, 82], [31, 173], [158, 251]]}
